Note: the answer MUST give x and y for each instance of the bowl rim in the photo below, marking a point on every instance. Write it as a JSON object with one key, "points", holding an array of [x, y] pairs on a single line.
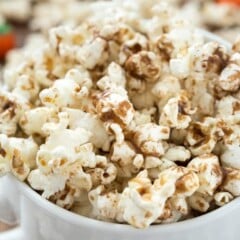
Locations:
{"points": [[76, 219]]}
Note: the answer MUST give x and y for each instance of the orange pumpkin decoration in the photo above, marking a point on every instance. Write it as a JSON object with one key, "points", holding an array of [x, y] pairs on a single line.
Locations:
{"points": [[235, 2], [7, 40]]}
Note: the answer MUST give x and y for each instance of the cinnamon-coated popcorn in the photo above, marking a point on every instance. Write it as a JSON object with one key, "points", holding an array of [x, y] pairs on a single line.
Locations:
{"points": [[12, 107], [177, 153], [105, 204], [33, 120], [230, 157], [229, 79], [143, 65], [17, 155], [149, 138], [209, 172], [231, 181], [222, 198], [129, 116], [175, 113], [199, 202]]}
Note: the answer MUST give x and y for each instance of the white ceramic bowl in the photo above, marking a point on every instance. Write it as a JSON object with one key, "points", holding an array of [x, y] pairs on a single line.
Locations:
{"points": [[42, 220]]}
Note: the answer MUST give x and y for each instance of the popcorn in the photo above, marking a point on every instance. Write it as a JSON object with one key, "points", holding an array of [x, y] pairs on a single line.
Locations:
{"points": [[177, 153], [115, 107], [124, 114], [134, 45], [168, 87], [222, 198], [229, 78], [149, 138], [228, 106], [66, 197], [63, 94], [57, 151], [17, 155], [201, 138], [105, 204], [141, 204], [209, 172], [115, 78], [199, 202], [231, 181], [90, 122], [230, 157], [210, 58], [175, 113], [11, 109], [33, 120], [143, 65], [123, 153], [93, 54]]}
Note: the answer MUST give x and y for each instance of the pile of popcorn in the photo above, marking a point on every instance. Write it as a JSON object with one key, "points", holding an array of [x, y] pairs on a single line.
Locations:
{"points": [[130, 117]]}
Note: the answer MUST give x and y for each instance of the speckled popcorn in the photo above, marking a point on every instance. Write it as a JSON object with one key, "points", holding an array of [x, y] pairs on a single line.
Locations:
{"points": [[130, 117]]}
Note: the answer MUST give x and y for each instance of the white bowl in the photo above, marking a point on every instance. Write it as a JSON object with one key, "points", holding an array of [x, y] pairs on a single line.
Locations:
{"points": [[42, 220]]}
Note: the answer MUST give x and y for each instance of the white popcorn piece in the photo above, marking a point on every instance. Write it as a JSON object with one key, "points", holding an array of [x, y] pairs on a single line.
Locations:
{"points": [[123, 153], [223, 15], [187, 185], [103, 174], [180, 205], [81, 76], [132, 46], [105, 204], [201, 138], [144, 65], [66, 197], [180, 67], [168, 87], [199, 202], [208, 169], [140, 203], [17, 155], [26, 88], [222, 198], [177, 153], [143, 116], [93, 54], [231, 181], [50, 184], [63, 93], [160, 165], [210, 58], [62, 144], [152, 162], [229, 79], [149, 138], [33, 120], [114, 107], [11, 108], [230, 157], [176, 113], [89, 122], [228, 106], [115, 77]]}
